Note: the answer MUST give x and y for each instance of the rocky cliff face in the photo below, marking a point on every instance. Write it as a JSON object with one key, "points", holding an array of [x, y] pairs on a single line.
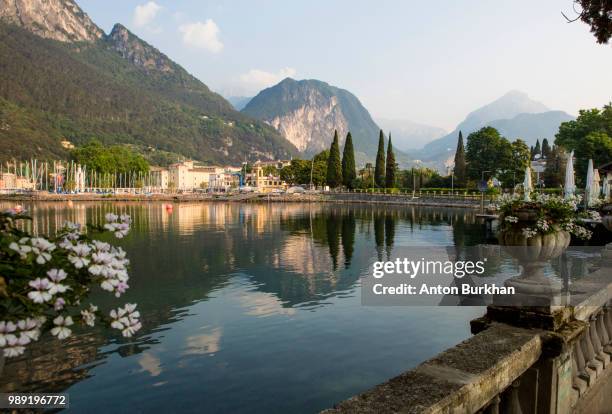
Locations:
{"points": [[307, 112], [61, 20], [137, 51], [310, 126]]}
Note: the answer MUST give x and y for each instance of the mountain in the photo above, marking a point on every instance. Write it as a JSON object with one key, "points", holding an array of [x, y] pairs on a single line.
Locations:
{"points": [[531, 127], [307, 112], [63, 78], [516, 116], [61, 20], [408, 135], [239, 102]]}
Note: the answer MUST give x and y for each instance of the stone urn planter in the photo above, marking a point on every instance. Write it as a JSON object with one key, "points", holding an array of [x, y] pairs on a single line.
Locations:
{"points": [[533, 254]]}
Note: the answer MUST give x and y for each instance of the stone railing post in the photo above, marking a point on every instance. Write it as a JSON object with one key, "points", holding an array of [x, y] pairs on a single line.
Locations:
{"points": [[513, 404], [608, 327], [493, 407], [579, 374], [590, 353]]}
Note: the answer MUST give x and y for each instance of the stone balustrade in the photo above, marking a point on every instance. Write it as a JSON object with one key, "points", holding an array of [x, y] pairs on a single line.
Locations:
{"points": [[542, 360], [591, 352]]}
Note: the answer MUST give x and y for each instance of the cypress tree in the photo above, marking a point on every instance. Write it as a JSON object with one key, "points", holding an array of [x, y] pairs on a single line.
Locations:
{"points": [[460, 167], [537, 150], [390, 174], [348, 162], [545, 148], [334, 165], [379, 169]]}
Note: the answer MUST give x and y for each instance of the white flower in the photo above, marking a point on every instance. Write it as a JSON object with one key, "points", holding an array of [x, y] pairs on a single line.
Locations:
{"points": [[110, 217], [542, 224], [101, 246], [6, 332], [41, 247], [61, 329], [59, 304], [126, 319], [41, 294], [14, 347], [57, 275], [119, 228], [529, 233], [21, 248], [511, 219], [79, 258], [89, 316], [55, 288]]}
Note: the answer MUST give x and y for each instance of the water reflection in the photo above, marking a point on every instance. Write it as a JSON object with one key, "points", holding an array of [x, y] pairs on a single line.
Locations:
{"points": [[243, 286]]}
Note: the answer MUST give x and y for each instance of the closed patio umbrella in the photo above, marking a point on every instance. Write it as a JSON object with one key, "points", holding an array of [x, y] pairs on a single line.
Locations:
{"points": [[570, 182], [527, 186], [588, 189]]}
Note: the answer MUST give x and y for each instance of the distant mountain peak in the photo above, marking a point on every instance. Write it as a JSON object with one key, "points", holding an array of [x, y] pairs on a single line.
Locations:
{"points": [[61, 20], [137, 51], [514, 114]]}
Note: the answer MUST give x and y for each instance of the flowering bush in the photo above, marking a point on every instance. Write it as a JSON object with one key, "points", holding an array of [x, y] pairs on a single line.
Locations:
{"points": [[543, 214], [44, 280]]}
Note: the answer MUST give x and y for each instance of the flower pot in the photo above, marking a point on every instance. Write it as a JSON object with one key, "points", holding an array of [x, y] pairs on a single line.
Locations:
{"points": [[533, 254], [526, 215]]}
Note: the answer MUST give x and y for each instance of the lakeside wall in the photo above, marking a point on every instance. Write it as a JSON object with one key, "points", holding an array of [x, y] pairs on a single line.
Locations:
{"points": [[333, 197]]}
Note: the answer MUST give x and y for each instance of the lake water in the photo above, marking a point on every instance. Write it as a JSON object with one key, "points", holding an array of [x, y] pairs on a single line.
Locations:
{"points": [[248, 308]]}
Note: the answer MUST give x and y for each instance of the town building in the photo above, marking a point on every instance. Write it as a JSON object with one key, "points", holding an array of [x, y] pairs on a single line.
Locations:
{"points": [[159, 178], [265, 183], [187, 176], [11, 181]]}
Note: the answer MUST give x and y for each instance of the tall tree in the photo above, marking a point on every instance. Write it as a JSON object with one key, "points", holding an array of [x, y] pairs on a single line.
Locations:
{"points": [[590, 136], [334, 165], [379, 169], [484, 153], [554, 173], [537, 150], [545, 148], [460, 166], [348, 162], [391, 167], [512, 166]]}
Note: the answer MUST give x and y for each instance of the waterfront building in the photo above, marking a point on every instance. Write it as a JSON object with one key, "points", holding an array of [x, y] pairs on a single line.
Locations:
{"points": [[14, 182], [187, 176], [265, 183], [159, 178]]}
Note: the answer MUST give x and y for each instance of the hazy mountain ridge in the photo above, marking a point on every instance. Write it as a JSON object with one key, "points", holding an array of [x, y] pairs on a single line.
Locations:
{"points": [[115, 88], [239, 102], [531, 127], [408, 135], [514, 114]]}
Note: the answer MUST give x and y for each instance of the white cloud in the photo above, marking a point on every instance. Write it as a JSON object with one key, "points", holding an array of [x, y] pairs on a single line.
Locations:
{"points": [[145, 13], [257, 79], [202, 35]]}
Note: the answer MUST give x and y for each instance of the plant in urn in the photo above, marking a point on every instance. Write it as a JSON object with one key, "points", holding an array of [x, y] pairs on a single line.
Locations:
{"points": [[535, 229]]}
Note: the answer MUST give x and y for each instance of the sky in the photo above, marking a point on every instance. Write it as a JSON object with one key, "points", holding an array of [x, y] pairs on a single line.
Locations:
{"points": [[428, 62]]}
